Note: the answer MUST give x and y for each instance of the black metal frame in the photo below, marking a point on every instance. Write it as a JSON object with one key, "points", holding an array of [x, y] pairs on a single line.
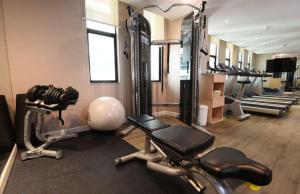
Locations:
{"points": [[111, 35]]}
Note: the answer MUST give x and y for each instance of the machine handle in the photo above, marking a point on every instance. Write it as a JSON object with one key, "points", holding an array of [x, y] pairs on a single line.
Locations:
{"points": [[162, 69], [60, 117], [168, 60], [203, 6]]}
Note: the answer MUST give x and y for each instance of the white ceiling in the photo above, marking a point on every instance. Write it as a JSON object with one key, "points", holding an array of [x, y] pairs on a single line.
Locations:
{"points": [[261, 26]]}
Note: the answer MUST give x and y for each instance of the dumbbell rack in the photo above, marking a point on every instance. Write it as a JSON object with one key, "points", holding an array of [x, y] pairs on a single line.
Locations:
{"points": [[35, 152]]}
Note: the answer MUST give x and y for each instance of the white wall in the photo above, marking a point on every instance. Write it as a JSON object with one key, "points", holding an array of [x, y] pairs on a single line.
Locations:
{"points": [[260, 61], [5, 85], [46, 43], [167, 29]]}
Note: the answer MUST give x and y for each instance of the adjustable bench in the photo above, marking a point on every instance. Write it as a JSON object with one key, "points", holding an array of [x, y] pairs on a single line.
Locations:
{"points": [[223, 162], [175, 144]]}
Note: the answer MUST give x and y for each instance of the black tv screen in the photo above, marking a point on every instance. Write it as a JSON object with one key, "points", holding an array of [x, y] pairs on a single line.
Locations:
{"points": [[281, 65], [273, 66], [289, 64]]}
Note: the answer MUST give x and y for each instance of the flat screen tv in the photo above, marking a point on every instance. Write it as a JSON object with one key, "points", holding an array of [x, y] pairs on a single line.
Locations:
{"points": [[281, 65]]}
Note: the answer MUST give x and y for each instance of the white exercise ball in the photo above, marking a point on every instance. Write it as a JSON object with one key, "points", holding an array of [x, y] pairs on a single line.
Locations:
{"points": [[106, 113]]}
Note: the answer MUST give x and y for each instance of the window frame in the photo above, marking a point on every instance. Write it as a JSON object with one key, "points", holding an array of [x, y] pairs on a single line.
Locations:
{"points": [[160, 63], [107, 34], [249, 61], [240, 63], [228, 59], [214, 56]]}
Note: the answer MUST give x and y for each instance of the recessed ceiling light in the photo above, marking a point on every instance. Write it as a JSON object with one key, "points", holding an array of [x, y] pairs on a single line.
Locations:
{"points": [[226, 21], [267, 27], [256, 38]]}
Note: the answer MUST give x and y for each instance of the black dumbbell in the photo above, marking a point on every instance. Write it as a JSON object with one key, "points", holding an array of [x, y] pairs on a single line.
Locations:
{"points": [[72, 93]]}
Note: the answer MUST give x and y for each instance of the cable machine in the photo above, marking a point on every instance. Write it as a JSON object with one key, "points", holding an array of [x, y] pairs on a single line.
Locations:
{"points": [[140, 37]]}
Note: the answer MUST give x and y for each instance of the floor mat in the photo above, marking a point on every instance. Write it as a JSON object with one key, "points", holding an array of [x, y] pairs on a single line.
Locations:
{"points": [[88, 167]]}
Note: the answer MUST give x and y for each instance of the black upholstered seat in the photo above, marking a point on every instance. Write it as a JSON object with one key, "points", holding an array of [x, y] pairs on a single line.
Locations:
{"points": [[152, 125], [137, 119], [183, 140], [231, 163]]}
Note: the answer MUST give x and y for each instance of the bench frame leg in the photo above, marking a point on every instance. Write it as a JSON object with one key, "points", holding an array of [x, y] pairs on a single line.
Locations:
{"points": [[149, 153]]}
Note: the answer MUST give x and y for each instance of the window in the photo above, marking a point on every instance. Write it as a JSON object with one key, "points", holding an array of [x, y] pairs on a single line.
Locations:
{"points": [[241, 60], [227, 57], [213, 55], [156, 61], [104, 11], [249, 61], [102, 48]]}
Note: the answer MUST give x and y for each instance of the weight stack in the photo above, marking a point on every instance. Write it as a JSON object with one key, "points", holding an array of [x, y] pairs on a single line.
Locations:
{"points": [[185, 106], [7, 138]]}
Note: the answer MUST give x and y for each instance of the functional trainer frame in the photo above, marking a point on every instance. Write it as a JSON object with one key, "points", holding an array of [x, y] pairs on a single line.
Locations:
{"points": [[198, 23]]}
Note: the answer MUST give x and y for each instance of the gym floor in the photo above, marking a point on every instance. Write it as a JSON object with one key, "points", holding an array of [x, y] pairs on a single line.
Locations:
{"points": [[88, 165], [271, 141]]}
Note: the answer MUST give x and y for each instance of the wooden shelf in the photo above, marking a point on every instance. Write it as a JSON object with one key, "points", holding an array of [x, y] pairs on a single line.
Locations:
{"points": [[208, 85], [216, 115]]}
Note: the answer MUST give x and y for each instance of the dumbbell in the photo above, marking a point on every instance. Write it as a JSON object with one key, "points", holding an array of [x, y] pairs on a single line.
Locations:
{"points": [[72, 93], [36, 92], [55, 96]]}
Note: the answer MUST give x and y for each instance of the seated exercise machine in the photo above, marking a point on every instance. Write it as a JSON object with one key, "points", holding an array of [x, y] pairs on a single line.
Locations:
{"points": [[187, 153], [42, 100]]}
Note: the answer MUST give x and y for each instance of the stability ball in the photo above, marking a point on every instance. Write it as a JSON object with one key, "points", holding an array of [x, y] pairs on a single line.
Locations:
{"points": [[105, 113]]}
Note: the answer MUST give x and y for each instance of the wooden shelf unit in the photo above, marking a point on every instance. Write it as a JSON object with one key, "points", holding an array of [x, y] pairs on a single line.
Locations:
{"points": [[208, 84]]}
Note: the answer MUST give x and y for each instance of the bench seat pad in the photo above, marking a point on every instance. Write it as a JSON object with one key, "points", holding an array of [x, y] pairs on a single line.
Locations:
{"points": [[183, 140], [228, 162]]}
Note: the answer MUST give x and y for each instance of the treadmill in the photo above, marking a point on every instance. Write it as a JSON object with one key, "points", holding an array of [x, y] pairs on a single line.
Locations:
{"points": [[271, 101], [254, 97], [288, 99], [252, 106], [284, 97]]}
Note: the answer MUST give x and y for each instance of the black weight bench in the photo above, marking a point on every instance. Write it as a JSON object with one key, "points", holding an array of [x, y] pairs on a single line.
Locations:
{"points": [[181, 142], [184, 143], [136, 120], [147, 123]]}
